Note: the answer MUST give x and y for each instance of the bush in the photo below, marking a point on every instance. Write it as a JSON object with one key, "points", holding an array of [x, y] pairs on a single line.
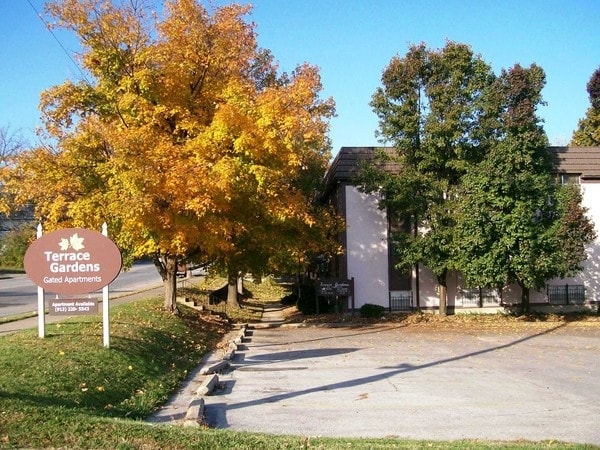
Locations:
{"points": [[370, 311], [290, 299], [13, 246], [305, 298]]}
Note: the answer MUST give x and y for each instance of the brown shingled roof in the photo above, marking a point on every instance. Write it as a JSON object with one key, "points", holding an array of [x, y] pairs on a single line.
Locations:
{"points": [[346, 165], [584, 161], [578, 160]]}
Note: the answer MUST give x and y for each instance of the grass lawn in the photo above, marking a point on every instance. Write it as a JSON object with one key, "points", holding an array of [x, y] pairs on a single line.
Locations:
{"points": [[68, 391]]}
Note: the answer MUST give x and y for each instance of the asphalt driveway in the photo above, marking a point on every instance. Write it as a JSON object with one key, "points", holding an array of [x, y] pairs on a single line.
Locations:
{"points": [[532, 382]]}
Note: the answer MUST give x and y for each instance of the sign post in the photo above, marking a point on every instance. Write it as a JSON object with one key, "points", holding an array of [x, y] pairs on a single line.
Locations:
{"points": [[40, 298], [73, 261], [105, 315]]}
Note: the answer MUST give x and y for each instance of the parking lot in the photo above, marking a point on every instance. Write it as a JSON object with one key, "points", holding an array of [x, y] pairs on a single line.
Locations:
{"points": [[526, 381]]}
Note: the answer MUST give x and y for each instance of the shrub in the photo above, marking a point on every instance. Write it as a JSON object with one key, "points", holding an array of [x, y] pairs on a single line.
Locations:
{"points": [[370, 311], [13, 246], [305, 298], [290, 299]]}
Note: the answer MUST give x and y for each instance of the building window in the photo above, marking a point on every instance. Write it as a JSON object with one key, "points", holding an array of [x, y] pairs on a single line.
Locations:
{"points": [[566, 294], [568, 178], [478, 297]]}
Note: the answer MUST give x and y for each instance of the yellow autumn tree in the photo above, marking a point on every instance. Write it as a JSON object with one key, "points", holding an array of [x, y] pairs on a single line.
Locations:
{"points": [[182, 136], [271, 149]]}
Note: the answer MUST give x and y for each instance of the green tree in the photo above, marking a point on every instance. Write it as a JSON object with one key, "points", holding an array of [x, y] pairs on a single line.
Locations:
{"points": [[573, 231], [514, 223], [588, 130], [429, 108]]}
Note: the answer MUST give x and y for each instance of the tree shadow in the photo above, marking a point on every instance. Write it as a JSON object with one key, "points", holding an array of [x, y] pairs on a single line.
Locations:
{"points": [[393, 370], [294, 355], [368, 330]]}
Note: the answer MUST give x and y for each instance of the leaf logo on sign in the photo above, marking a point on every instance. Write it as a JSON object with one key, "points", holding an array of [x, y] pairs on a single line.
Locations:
{"points": [[75, 242]]}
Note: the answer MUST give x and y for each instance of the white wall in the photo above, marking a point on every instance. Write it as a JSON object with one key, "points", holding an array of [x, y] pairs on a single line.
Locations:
{"points": [[429, 292], [367, 255], [590, 276], [428, 288], [367, 248]]}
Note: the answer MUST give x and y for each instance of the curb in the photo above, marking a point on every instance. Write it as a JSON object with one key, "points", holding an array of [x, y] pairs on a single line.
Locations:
{"points": [[195, 412], [208, 385]]}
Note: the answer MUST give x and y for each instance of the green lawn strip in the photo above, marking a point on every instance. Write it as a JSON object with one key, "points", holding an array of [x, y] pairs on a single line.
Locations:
{"points": [[4, 271], [16, 317], [68, 391]]}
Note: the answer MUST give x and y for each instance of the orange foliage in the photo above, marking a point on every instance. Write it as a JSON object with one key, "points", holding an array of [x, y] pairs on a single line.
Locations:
{"points": [[183, 137]]}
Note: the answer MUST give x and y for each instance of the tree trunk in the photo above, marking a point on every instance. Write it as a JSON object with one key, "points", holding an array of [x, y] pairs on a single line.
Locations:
{"points": [[442, 282], [443, 306], [232, 290], [240, 285], [525, 307], [167, 268]]}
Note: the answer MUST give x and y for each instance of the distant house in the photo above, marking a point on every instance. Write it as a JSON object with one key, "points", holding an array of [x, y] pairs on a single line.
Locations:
{"points": [[368, 260], [16, 220]]}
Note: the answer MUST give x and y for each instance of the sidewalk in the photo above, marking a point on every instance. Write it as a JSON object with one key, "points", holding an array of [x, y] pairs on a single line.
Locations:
{"points": [[182, 407], [272, 316]]}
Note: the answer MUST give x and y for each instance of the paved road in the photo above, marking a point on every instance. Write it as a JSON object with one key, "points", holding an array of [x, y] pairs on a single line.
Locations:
{"points": [[18, 294], [138, 283], [32, 322], [414, 382]]}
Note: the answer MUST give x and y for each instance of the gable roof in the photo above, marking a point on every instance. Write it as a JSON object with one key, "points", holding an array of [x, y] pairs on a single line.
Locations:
{"points": [[347, 164]]}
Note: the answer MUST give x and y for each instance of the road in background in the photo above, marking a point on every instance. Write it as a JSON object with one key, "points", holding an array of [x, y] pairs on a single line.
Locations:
{"points": [[18, 294]]}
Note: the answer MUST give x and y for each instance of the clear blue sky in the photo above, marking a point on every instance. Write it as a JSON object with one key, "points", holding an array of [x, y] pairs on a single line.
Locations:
{"points": [[352, 41]]}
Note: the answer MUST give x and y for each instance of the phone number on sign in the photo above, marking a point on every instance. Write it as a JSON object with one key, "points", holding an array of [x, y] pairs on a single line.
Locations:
{"points": [[87, 306], [72, 309]]}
